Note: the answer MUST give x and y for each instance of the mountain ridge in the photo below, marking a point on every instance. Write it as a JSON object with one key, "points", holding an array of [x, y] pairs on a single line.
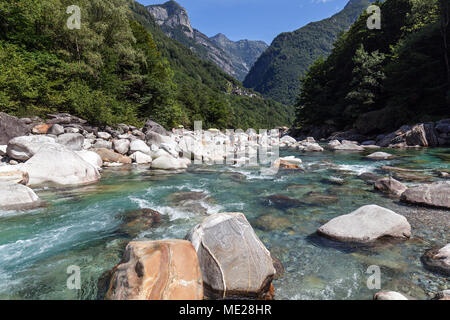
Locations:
{"points": [[277, 71], [233, 57]]}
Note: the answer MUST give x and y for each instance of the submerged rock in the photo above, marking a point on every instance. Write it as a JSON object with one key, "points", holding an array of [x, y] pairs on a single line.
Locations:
{"points": [[54, 163], [15, 196], [317, 198], [137, 221], [391, 186], [433, 195], [438, 260], [234, 262], [190, 201], [271, 223], [282, 201], [157, 270], [367, 224]]}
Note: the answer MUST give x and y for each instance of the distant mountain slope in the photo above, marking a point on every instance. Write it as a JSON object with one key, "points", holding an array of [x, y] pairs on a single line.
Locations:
{"points": [[235, 58], [276, 73], [203, 86]]}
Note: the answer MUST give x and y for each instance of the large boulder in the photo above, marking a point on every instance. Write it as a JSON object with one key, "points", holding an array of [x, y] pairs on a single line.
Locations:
{"points": [[390, 186], [234, 262], [56, 129], [154, 138], [157, 270], [367, 224], [121, 146], [55, 164], [168, 163], [438, 260], [423, 135], [141, 158], [23, 148], [151, 126], [139, 145], [108, 155], [11, 127], [91, 157], [15, 196], [433, 195], [72, 141]]}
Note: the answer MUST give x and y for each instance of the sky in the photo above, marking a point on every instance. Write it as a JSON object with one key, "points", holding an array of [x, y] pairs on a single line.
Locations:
{"points": [[254, 19]]}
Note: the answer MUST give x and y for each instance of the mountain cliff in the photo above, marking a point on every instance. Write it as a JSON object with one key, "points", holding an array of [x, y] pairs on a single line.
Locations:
{"points": [[234, 58], [277, 71]]}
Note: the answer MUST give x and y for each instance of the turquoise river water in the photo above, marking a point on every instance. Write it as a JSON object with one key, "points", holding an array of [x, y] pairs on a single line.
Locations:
{"points": [[83, 226]]}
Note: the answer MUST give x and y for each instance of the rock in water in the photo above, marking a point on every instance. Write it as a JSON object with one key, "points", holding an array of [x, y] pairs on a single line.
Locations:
{"points": [[366, 224], [390, 185], [168, 163], [141, 158], [157, 270], [23, 148], [380, 156], [438, 260], [433, 195], [389, 295], [56, 164], [11, 127], [234, 262], [15, 196], [91, 157]]}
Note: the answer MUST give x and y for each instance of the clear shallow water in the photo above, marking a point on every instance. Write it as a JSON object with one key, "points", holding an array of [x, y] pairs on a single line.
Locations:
{"points": [[83, 226]]}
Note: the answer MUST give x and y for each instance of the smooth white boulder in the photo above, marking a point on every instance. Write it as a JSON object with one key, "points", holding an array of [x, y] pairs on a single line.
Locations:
{"points": [[380, 156], [103, 135], [366, 224], [168, 163], [91, 157], [389, 295], [23, 148], [15, 196], [139, 145], [141, 158], [56, 164], [13, 174], [121, 146]]}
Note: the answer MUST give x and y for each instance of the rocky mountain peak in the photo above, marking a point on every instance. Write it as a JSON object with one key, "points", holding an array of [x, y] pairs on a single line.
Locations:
{"points": [[172, 15]]}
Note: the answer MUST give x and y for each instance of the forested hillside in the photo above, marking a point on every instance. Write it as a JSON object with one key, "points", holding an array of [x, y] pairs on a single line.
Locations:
{"points": [[377, 80], [119, 67], [276, 73]]}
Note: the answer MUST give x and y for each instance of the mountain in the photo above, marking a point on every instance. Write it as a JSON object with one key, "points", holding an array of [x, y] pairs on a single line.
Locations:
{"points": [[277, 71], [207, 92], [234, 58]]}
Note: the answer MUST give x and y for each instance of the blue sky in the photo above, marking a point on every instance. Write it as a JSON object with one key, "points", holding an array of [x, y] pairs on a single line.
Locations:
{"points": [[254, 19]]}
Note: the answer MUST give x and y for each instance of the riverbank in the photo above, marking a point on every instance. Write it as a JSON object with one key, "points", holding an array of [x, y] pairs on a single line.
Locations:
{"points": [[90, 225]]}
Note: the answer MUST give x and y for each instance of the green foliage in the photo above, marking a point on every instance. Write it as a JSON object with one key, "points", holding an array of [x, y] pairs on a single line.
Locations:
{"points": [[113, 70], [398, 70], [275, 74]]}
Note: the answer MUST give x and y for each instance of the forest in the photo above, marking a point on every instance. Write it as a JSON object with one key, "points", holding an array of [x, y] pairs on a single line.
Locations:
{"points": [[118, 67], [377, 80]]}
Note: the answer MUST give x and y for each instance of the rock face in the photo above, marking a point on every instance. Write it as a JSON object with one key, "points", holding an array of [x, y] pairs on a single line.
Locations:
{"points": [[367, 224], [157, 270], [56, 164], [23, 148], [234, 262], [15, 196], [433, 195], [11, 127], [389, 295], [234, 58], [423, 135], [438, 260], [390, 185]]}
